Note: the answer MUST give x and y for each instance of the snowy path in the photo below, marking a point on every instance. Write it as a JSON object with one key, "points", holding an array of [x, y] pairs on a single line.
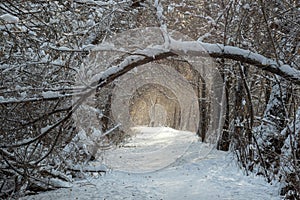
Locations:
{"points": [[161, 163]]}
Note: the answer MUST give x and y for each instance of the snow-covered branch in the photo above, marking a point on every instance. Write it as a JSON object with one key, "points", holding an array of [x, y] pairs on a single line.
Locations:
{"points": [[234, 53], [190, 48], [197, 48]]}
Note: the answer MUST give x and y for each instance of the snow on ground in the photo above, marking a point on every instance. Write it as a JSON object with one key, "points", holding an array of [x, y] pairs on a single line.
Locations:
{"points": [[162, 163]]}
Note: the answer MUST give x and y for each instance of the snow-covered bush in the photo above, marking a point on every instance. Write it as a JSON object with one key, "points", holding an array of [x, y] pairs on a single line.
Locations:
{"points": [[42, 44]]}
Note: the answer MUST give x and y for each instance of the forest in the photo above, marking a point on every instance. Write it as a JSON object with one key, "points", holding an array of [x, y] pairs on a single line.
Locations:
{"points": [[76, 75]]}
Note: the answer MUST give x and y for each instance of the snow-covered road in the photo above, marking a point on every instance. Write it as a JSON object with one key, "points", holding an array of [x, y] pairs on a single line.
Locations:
{"points": [[162, 163]]}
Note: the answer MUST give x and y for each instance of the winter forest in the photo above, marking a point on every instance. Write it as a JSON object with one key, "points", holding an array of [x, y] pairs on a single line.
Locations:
{"points": [[80, 79]]}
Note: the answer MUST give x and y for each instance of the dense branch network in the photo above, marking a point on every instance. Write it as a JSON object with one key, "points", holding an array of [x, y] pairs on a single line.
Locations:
{"points": [[189, 48]]}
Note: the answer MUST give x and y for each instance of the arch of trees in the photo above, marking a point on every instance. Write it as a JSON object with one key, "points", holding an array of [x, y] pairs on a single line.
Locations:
{"points": [[43, 45]]}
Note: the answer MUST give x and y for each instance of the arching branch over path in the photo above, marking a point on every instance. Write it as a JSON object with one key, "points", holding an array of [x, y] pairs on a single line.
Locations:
{"points": [[195, 48], [173, 48]]}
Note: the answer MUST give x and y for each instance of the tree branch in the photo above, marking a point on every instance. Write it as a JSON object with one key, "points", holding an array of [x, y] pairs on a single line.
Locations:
{"points": [[193, 48]]}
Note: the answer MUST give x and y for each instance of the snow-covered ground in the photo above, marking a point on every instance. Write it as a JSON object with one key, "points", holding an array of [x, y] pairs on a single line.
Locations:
{"points": [[162, 163]]}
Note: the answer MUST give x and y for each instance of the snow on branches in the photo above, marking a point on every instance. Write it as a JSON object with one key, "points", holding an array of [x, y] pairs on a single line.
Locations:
{"points": [[196, 48]]}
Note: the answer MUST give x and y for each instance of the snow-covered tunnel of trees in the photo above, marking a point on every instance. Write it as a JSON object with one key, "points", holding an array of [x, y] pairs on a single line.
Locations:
{"points": [[181, 92]]}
